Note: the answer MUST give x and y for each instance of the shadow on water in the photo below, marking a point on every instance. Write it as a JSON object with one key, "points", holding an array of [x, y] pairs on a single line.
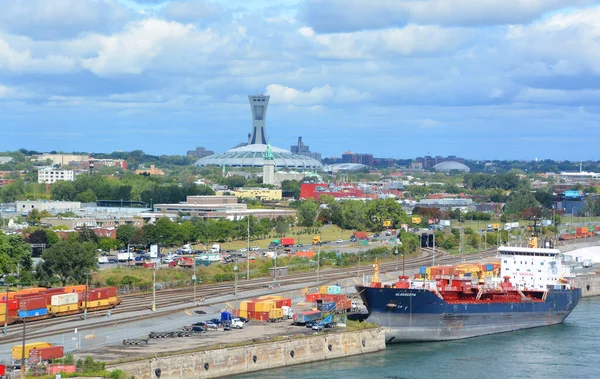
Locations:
{"points": [[567, 350]]}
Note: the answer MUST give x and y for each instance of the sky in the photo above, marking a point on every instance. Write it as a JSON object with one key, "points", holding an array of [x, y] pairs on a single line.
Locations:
{"points": [[480, 79]]}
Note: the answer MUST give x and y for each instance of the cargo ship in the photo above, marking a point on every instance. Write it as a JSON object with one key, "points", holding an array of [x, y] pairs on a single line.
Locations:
{"points": [[530, 287]]}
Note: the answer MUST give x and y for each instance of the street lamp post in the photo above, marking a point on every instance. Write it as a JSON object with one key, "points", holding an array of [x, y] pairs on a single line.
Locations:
{"points": [[235, 270], [318, 262], [154, 290], [87, 276], [275, 269], [248, 253], [194, 279]]}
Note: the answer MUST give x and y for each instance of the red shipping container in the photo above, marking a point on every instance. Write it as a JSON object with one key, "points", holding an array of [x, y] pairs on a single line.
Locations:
{"points": [[48, 353], [251, 306], [344, 304], [12, 304], [55, 291], [312, 297], [29, 303], [102, 293], [2, 370], [57, 369]]}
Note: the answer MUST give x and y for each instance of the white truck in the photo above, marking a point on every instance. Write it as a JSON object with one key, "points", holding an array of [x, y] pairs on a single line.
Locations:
{"points": [[102, 260], [124, 257], [236, 323], [216, 248], [288, 313]]}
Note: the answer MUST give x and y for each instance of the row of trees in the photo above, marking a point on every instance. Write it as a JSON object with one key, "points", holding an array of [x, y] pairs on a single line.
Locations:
{"points": [[350, 214]]}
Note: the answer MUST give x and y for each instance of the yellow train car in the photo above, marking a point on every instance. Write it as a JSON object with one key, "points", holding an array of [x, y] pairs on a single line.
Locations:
{"points": [[111, 302], [60, 310], [17, 350]]}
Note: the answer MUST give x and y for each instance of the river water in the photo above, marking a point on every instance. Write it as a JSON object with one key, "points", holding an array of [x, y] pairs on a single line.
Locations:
{"points": [[568, 350]]}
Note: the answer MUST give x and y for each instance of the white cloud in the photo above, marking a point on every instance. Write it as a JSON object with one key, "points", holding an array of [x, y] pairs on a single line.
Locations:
{"points": [[553, 96], [5, 91], [23, 61], [410, 40], [316, 96], [193, 11], [150, 43], [352, 15], [56, 19], [564, 44]]}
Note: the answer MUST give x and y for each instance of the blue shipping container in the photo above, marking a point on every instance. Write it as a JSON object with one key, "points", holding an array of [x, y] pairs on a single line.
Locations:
{"points": [[489, 267], [423, 270], [326, 307], [226, 316], [467, 274], [33, 313]]}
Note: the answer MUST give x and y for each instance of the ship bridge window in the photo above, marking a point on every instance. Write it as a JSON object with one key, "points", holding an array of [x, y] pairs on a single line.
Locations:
{"points": [[542, 263], [505, 261]]}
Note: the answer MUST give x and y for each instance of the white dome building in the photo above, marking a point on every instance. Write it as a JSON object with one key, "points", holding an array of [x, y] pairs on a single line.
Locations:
{"points": [[252, 154], [451, 165]]}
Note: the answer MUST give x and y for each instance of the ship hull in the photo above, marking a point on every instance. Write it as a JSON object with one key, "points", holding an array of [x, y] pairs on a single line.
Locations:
{"points": [[410, 315]]}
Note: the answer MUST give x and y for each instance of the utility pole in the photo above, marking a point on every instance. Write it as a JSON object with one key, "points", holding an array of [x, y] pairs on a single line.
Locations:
{"points": [[5, 330], [275, 269], [194, 278], [461, 245], [396, 253], [235, 270], [358, 267], [22, 350], [154, 290], [318, 262], [87, 277], [248, 253], [433, 249]]}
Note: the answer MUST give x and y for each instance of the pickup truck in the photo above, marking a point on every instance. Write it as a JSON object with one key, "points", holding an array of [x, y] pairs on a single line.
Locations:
{"points": [[236, 323]]}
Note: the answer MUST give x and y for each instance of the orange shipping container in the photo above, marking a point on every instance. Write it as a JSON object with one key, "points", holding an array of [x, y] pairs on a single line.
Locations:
{"points": [[305, 254], [75, 289]]}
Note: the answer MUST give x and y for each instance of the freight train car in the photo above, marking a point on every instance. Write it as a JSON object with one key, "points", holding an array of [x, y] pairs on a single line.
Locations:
{"points": [[42, 303]]}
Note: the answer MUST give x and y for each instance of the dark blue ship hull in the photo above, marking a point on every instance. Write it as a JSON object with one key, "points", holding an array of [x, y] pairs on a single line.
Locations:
{"points": [[419, 315]]}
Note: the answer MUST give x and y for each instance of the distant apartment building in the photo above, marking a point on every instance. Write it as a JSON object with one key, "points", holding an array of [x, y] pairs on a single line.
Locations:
{"points": [[4, 182], [350, 157], [151, 171], [52, 175], [199, 152], [5, 159], [302, 149], [63, 159]]}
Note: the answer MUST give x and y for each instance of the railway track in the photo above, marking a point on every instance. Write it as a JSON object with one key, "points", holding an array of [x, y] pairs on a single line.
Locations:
{"points": [[184, 296]]}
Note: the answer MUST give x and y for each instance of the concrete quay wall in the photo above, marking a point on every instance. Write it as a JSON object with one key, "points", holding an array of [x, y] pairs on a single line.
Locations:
{"points": [[590, 285], [259, 356]]}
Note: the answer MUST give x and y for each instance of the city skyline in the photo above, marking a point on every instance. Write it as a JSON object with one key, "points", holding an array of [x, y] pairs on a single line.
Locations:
{"points": [[396, 79]]}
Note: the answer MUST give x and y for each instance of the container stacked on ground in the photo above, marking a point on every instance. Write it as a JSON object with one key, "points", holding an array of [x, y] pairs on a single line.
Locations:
{"points": [[265, 308]]}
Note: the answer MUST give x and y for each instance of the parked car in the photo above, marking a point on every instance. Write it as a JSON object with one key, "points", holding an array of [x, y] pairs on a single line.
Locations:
{"points": [[299, 245], [310, 324], [243, 250], [375, 235], [197, 329], [210, 325], [237, 323], [227, 326], [215, 321], [339, 241], [317, 327], [255, 248], [243, 319]]}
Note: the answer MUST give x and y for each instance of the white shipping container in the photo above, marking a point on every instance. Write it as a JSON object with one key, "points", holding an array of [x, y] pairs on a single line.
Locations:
{"points": [[64, 299]]}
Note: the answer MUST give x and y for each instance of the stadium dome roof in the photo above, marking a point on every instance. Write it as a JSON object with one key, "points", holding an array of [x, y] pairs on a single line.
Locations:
{"points": [[252, 156], [344, 167], [451, 165]]}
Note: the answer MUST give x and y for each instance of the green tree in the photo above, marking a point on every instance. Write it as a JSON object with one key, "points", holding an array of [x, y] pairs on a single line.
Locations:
{"points": [[87, 196], [35, 215], [14, 251], [281, 226], [107, 244], [125, 233], [63, 190], [86, 234], [69, 262], [307, 212]]}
